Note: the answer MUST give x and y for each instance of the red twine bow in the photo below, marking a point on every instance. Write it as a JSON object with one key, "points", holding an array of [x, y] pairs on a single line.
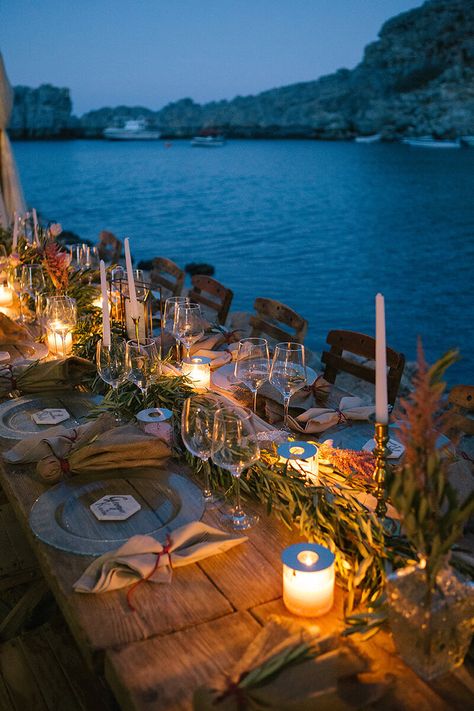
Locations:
{"points": [[341, 416], [64, 464], [165, 551], [237, 692], [467, 457]]}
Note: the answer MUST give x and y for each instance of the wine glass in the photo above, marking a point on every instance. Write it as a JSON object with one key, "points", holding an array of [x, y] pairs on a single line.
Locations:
{"points": [[60, 318], [142, 363], [235, 448], [32, 285], [288, 372], [169, 316], [252, 366], [110, 361], [188, 324], [197, 422]]}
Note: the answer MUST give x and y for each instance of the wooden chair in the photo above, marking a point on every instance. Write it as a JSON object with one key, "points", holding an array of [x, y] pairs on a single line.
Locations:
{"points": [[213, 295], [168, 276], [109, 247], [461, 399], [271, 315], [358, 344]]}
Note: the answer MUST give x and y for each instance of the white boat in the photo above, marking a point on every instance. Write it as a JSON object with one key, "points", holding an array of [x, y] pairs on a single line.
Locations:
{"points": [[207, 141], [430, 142], [373, 138], [133, 130]]}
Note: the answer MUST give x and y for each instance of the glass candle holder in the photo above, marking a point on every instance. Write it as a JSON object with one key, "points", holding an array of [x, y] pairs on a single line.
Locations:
{"points": [[198, 370], [308, 579], [157, 421], [60, 321], [302, 457]]}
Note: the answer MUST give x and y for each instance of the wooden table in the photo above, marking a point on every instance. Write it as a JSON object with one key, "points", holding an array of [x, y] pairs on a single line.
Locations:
{"points": [[182, 634]]}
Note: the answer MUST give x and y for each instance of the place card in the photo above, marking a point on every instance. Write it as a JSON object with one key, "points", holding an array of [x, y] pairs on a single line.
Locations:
{"points": [[50, 416], [115, 507], [396, 449]]}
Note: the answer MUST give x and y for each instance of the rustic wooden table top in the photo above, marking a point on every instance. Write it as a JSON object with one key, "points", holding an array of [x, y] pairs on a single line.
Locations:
{"points": [[182, 634]]}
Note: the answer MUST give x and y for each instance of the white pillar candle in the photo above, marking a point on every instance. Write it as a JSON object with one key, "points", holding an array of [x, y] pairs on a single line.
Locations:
{"points": [[35, 226], [381, 402], [105, 306], [302, 457], [198, 370], [308, 579], [15, 232], [59, 341], [131, 282]]}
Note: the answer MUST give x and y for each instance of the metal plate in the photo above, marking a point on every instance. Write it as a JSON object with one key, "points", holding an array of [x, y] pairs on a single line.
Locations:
{"points": [[16, 415], [62, 517]]}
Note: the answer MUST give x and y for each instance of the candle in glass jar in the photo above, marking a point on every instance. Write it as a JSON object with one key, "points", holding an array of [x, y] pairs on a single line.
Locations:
{"points": [[308, 579], [59, 339], [6, 295], [381, 402], [198, 370], [302, 457]]}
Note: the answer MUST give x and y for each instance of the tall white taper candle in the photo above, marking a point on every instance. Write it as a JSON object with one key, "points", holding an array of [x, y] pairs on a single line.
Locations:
{"points": [[35, 226], [15, 232], [131, 281], [105, 306], [381, 405]]}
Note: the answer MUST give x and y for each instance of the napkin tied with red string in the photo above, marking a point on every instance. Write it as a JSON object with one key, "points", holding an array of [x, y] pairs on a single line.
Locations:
{"points": [[319, 419]]}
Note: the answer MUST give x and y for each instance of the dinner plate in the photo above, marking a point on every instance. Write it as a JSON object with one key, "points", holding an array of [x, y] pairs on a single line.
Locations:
{"points": [[62, 516], [224, 377], [16, 421]]}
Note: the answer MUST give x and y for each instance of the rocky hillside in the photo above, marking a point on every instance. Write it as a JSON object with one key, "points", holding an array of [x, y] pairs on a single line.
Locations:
{"points": [[417, 78], [44, 112]]}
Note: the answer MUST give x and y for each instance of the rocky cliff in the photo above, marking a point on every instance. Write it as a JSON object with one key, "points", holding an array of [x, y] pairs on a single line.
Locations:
{"points": [[44, 112], [417, 78]]}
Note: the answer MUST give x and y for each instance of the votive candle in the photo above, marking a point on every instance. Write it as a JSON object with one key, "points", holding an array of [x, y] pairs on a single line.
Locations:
{"points": [[302, 457], [6, 295], [198, 370], [381, 401], [105, 306], [59, 341], [308, 579], [131, 282]]}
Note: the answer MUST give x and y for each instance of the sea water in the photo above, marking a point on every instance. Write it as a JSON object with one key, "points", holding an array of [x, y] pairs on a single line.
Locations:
{"points": [[321, 226]]}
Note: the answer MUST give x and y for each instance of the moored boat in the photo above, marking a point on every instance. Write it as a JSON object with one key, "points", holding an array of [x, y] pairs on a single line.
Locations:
{"points": [[373, 138], [430, 142], [208, 138], [133, 130]]}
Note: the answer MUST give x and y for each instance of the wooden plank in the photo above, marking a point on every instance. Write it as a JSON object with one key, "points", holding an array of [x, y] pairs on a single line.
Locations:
{"points": [[5, 701], [20, 683], [163, 673]]}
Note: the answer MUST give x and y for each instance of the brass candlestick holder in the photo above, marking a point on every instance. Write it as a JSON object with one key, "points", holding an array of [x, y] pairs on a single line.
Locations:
{"points": [[380, 452]]}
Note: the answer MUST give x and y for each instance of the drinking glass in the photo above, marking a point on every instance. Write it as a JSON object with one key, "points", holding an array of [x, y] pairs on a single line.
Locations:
{"points": [[32, 285], [143, 365], [15, 283], [235, 448], [60, 318], [110, 361], [252, 366], [288, 372], [197, 421], [188, 324], [169, 316]]}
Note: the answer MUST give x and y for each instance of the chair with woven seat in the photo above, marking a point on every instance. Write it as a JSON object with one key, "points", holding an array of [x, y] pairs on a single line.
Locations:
{"points": [[168, 276], [109, 247], [336, 360], [212, 295], [272, 316], [461, 399]]}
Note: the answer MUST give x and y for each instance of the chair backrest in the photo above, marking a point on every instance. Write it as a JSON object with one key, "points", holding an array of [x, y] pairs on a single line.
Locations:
{"points": [[168, 275], [270, 318], [358, 344], [214, 296], [461, 399], [109, 247]]}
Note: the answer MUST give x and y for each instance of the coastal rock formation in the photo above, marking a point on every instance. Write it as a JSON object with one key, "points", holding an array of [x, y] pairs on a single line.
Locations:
{"points": [[44, 112], [416, 79]]}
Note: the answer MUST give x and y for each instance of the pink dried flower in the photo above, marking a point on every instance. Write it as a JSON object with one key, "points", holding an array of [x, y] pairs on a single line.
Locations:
{"points": [[55, 229]]}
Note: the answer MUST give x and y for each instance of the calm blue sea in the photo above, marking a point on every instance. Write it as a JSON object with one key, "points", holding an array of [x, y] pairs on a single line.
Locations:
{"points": [[320, 226]]}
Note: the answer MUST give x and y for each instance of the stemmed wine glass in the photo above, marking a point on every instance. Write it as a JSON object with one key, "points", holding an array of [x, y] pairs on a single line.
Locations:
{"points": [[143, 365], [288, 372], [252, 366], [110, 361], [169, 316], [188, 324], [235, 448], [32, 285], [197, 421]]}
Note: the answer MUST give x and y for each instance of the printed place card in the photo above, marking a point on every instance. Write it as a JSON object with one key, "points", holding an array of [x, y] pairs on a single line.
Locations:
{"points": [[50, 416], [115, 507]]}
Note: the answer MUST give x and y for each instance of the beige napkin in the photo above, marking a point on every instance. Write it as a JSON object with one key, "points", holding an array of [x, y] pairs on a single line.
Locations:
{"points": [[137, 558], [60, 374], [219, 358], [319, 419]]}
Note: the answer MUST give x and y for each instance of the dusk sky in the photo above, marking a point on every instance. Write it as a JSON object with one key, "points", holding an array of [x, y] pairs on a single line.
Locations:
{"points": [[151, 52]]}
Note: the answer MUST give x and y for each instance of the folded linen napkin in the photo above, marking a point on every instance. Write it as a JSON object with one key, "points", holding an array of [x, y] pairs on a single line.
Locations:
{"points": [[144, 558], [319, 419], [61, 374], [11, 332], [219, 358], [289, 666]]}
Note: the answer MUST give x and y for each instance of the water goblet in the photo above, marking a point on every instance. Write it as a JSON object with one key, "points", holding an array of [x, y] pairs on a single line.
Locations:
{"points": [[197, 422], [110, 361], [188, 324], [288, 372], [143, 365], [32, 285], [169, 317], [235, 448], [252, 366]]}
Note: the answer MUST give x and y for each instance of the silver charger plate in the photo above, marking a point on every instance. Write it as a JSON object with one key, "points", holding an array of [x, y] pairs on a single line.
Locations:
{"points": [[62, 516], [224, 377], [16, 420]]}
